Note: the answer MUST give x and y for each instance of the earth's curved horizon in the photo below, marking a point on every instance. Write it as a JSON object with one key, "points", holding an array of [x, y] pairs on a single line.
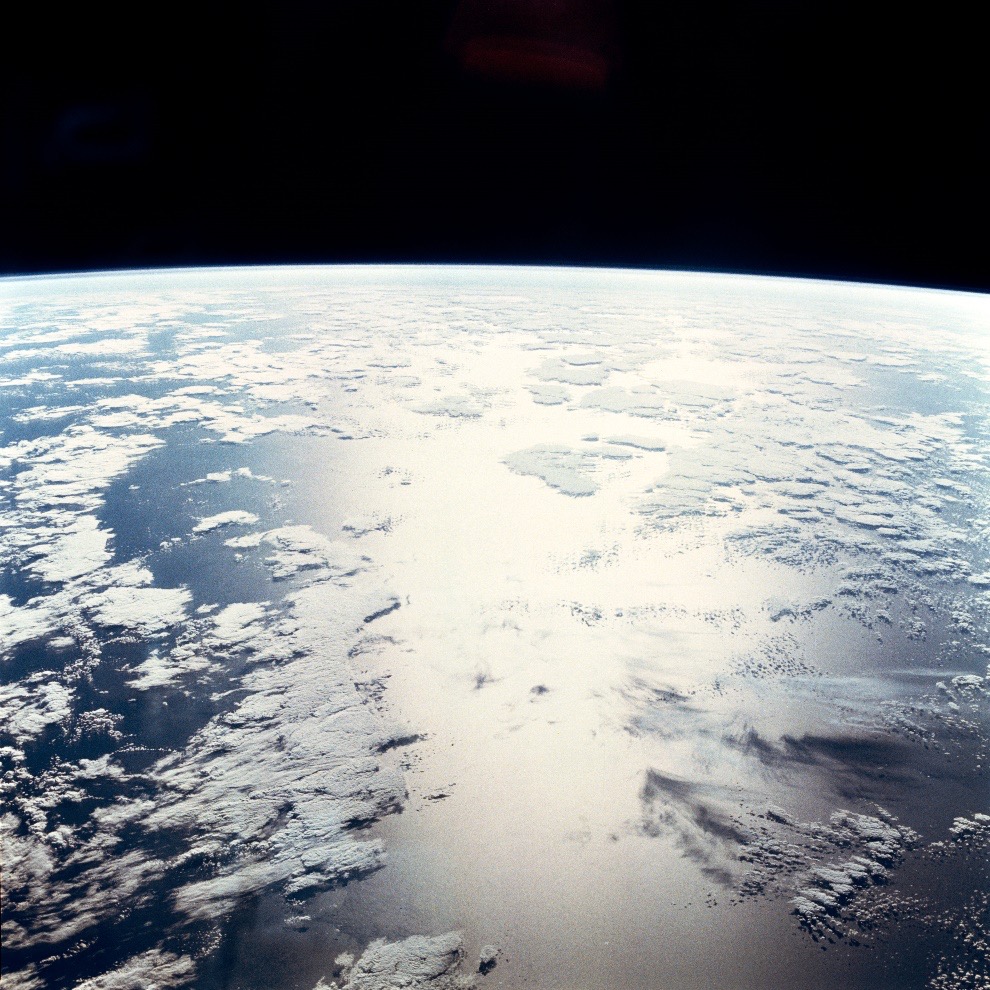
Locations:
{"points": [[436, 626]]}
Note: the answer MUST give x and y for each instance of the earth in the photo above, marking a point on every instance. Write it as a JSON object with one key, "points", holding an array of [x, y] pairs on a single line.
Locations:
{"points": [[501, 627]]}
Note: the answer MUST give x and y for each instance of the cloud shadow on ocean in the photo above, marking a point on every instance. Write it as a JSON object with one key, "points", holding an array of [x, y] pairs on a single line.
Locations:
{"points": [[704, 832], [850, 765], [864, 757], [656, 709]]}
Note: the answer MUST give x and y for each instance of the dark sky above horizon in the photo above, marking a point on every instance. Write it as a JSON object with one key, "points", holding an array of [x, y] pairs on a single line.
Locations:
{"points": [[738, 137]]}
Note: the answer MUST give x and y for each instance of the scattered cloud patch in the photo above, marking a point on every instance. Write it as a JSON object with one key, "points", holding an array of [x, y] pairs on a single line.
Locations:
{"points": [[232, 517]]}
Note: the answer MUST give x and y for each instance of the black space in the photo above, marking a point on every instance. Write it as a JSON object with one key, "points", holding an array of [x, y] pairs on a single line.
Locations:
{"points": [[784, 138]]}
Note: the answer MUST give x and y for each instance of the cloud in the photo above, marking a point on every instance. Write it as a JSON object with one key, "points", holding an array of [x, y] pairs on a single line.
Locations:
{"points": [[416, 962], [152, 969]]}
